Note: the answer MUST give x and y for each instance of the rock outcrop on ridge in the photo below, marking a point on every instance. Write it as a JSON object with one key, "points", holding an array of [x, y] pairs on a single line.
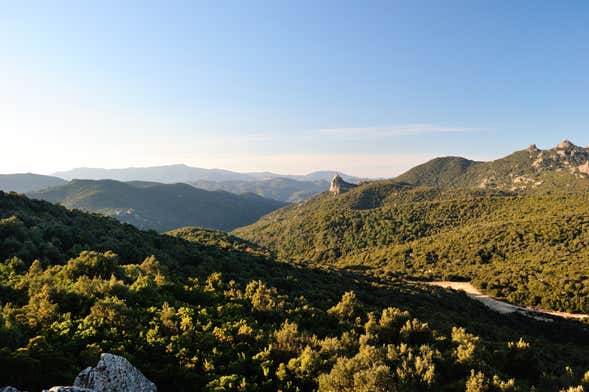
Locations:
{"points": [[564, 166], [339, 186]]}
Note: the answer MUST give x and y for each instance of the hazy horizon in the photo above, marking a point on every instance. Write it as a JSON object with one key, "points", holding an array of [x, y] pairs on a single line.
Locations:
{"points": [[395, 170], [368, 90]]}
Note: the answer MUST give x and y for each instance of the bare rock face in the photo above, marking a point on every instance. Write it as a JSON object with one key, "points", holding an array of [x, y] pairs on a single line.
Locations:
{"points": [[565, 145], [584, 168], [113, 374], [339, 186]]}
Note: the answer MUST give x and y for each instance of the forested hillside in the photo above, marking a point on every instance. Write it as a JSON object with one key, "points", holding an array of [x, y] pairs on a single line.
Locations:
{"points": [[201, 310], [565, 166], [152, 205], [529, 247]]}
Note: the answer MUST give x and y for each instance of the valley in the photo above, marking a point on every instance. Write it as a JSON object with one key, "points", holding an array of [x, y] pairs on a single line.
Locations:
{"points": [[179, 306], [354, 277], [526, 246], [160, 207], [287, 196]]}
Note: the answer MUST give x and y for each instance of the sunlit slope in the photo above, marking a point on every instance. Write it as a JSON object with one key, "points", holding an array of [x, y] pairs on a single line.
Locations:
{"points": [[506, 241], [201, 310], [564, 167]]}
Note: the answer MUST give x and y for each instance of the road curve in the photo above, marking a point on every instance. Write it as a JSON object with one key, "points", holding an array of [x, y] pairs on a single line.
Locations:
{"points": [[504, 307]]}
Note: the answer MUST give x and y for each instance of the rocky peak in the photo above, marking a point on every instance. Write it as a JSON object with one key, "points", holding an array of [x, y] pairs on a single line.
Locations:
{"points": [[533, 148], [565, 145], [339, 186]]}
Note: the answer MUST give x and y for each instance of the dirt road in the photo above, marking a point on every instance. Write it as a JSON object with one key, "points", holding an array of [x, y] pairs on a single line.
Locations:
{"points": [[504, 307]]}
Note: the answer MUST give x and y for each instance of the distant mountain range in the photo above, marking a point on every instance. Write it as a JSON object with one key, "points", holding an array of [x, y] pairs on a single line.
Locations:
{"points": [[27, 182], [188, 174], [161, 207], [282, 187]]}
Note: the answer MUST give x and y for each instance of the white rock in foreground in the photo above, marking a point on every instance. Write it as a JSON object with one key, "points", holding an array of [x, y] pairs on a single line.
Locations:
{"points": [[114, 374], [69, 389]]}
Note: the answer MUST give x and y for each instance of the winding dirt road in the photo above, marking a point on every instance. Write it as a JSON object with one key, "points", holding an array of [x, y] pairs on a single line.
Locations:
{"points": [[504, 307]]}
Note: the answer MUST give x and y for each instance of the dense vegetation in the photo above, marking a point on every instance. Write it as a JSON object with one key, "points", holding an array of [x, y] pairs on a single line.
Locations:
{"points": [[284, 189], [564, 166], [201, 310], [162, 207], [27, 182], [528, 247]]}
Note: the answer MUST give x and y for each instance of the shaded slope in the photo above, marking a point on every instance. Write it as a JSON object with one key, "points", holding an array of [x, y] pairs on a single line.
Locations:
{"points": [[283, 189], [160, 206]]}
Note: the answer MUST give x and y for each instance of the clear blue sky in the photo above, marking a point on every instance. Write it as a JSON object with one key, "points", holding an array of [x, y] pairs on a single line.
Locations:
{"points": [[369, 88]]}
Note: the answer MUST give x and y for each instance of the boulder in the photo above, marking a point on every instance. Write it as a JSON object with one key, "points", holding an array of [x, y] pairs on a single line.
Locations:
{"points": [[114, 374], [9, 389]]}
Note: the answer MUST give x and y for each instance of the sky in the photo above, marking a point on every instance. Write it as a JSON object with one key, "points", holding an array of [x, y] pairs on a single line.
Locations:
{"points": [[367, 88]]}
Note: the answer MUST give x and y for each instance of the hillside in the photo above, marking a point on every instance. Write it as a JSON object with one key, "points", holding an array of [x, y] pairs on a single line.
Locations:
{"points": [[27, 182], [283, 189], [527, 169], [528, 247], [182, 173], [158, 206], [447, 171], [201, 310]]}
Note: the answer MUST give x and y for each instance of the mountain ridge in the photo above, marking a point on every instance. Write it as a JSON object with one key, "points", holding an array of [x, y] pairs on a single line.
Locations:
{"points": [[158, 206], [283, 189], [184, 173], [526, 169]]}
